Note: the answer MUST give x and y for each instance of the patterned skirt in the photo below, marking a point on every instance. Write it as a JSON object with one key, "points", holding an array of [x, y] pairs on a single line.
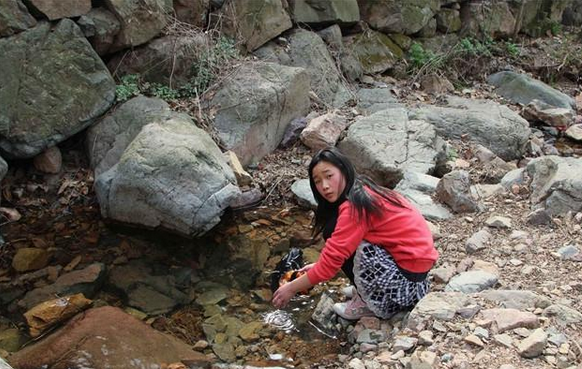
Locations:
{"points": [[381, 284]]}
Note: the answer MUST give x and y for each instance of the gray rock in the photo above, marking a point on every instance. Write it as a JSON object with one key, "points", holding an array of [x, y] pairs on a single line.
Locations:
{"points": [[100, 26], [568, 252], [307, 50], [350, 67], [443, 275], [493, 125], [533, 345], [471, 281], [392, 16], [386, 144], [437, 305], [497, 221], [404, 343], [293, 131], [375, 51], [323, 131], [516, 299], [192, 12], [66, 100], [506, 319], [86, 281], [522, 89], [274, 95], [478, 241], [454, 190], [343, 13], [556, 184], [172, 176], [324, 316], [429, 209], [539, 217], [563, 314], [490, 19], [60, 9], [332, 36], [448, 20], [372, 100], [538, 111], [513, 177], [486, 191], [14, 18], [140, 21], [575, 132], [371, 336], [302, 191], [254, 23]]}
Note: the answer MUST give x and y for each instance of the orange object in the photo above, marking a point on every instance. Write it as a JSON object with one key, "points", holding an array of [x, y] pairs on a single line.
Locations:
{"points": [[290, 276]]}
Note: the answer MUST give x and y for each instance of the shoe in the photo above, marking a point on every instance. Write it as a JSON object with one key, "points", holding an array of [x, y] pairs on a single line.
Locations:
{"points": [[354, 309], [348, 291]]}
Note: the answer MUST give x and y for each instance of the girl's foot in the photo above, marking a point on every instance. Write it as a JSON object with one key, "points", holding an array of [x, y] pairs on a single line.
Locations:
{"points": [[354, 309]]}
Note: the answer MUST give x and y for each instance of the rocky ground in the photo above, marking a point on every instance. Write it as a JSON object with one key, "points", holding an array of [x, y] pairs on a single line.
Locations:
{"points": [[225, 313]]}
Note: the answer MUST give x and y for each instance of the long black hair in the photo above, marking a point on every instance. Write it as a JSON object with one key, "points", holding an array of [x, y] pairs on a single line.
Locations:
{"points": [[354, 191]]}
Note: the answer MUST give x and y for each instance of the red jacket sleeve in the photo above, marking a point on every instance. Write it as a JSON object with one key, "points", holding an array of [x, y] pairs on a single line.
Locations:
{"points": [[345, 239]]}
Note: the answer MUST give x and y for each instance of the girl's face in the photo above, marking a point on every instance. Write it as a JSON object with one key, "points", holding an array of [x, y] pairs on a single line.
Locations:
{"points": [[329, 180]]}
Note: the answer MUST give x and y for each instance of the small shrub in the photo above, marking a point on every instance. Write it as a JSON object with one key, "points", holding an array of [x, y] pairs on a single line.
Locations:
{"points": [[162, 91], [512, 49], [419, 57], [555, 28], [210, 63], [127, 88], [475, 47]]}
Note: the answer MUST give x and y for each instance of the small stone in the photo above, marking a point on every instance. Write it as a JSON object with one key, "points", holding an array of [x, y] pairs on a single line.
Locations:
{"points": [[539, 217], [506, 366], [515, 262], [404, 343], [398, 355], [533, 345], [50, 161], [30, 258], [497, 221], [568, 252], [425, 338], [523, 332], [481, 333], [201, 345], [474, 340]]}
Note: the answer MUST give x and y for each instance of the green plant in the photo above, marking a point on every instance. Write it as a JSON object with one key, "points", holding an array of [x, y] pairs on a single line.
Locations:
{"points": [[419, 57], [209, 65], [162, 91], [127, 88], [555, 28], [512, 49], [475, 47]]}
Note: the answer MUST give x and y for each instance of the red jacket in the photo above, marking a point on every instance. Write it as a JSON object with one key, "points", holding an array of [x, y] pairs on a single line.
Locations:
{"points": [[403, 232]]}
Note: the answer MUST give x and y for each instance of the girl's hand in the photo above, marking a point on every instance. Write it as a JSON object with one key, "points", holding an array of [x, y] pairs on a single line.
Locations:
{"points": [[283, 295], [307, 267]]}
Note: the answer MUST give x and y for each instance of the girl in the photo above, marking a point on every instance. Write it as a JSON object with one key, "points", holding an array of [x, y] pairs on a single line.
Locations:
{"points": [[380, 241]]}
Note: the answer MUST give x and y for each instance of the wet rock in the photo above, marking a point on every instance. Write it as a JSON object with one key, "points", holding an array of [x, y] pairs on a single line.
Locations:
{"points": [[533, 345], [385, 151], [211, 297], [323, 131], [250, 331], [86, 281], [29, 258], [522, 89], [563, 314], [497, 221], [85, 339], [43, 316], [454, 190], [324, 316], [11, 339], [471, 281], [478, 241], [506, 319], [50, 161]]}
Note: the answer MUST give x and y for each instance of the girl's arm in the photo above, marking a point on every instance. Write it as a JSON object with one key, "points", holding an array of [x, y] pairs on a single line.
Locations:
{"points": [[288, 290]]}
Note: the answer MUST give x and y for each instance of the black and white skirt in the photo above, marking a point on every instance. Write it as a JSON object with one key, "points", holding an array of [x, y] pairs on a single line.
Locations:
{"points": [[381, 284]]}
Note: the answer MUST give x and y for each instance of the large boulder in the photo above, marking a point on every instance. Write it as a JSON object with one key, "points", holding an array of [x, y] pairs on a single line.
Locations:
{"points": [[192, 12], [536, 17], [140, 20], [255, 105], [418, 188], [522, 89], [105, 337], [485, 122], [490, 18], [324, 12], [14, 18], [254, 23], [393, 16], [556, 184], [386, 144], [573, 14], [107, 140], [152, 63], [375, 51], [171, 176], [100, 26], [54, 10], [53, 85], [307, 50]]}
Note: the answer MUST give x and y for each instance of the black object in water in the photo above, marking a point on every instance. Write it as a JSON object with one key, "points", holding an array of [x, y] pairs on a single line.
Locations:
{"points": [[292, 261]]}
